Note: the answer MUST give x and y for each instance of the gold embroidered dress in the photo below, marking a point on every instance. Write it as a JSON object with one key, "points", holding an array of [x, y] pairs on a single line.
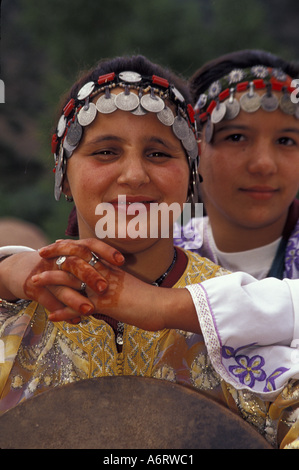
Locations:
{"points": [[39, 355]]}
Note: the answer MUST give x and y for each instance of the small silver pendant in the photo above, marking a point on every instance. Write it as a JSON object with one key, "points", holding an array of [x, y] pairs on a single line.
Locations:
{"points": [[269, 102], [189, 142], [166, 116], [139, 111], [209, 131], [126, 101], [106, 105], [86, 90], [74, 134], [152, 103], [59, 172], [286, 105], [232, 109], [130, 77], [61, 126], [87, 115], [250, 102], [218, 113], [193, 153], [180, 128]]}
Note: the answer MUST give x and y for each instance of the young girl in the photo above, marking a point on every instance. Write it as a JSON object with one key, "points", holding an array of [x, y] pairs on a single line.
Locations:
{"points": [[125, 140], [249, 117]]}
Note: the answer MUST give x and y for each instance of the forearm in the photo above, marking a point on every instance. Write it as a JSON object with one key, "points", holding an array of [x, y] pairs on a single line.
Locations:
{"points": [[178, 310]]}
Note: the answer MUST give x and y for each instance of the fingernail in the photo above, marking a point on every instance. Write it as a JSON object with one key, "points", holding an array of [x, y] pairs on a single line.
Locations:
{"points": [[101, 286], [119, 258], [86, 309]]}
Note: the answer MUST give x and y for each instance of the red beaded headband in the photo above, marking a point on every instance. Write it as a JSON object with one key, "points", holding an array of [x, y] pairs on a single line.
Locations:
{"points": [[153, 94], [219, 101]]}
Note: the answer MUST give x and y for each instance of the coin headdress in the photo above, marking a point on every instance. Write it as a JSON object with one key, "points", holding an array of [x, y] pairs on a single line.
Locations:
{"points": [[219, 102], [154, 94]]}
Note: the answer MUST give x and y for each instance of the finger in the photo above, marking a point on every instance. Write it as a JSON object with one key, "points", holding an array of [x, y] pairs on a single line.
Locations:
{"points": [[72, 273], [65, 314], [83, 249]]}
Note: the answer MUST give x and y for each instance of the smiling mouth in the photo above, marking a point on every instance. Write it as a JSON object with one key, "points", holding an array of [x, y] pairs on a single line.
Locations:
{"points": [[260, 192]]}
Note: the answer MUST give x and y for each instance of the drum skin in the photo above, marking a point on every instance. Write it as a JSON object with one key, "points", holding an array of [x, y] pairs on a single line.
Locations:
{"points": [[125, 413]]}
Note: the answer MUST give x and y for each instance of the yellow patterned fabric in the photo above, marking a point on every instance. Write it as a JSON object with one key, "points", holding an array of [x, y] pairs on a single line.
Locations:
{"points": [[40, 355]]}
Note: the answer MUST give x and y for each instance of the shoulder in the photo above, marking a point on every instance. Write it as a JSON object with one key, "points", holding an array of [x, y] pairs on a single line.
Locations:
{"points": [[199, 269]]}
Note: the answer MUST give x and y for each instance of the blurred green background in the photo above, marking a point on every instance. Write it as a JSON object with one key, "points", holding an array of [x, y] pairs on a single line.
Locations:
{"points": [[45, 43]]}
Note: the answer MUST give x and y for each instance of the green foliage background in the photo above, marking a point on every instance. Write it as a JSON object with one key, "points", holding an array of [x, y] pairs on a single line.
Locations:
{"points": [[45, 43]]}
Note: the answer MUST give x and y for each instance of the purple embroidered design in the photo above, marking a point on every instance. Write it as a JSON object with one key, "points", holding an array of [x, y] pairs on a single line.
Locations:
{"points": [[249, 370], [270, 385], [292, 255]]}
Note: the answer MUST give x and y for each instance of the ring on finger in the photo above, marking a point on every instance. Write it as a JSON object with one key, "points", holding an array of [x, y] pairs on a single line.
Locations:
{"points": [[60, 261], [93, 260], [83, 287]]}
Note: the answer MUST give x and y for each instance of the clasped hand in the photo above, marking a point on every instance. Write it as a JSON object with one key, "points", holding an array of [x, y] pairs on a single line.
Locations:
{"points": [[108, 289]]}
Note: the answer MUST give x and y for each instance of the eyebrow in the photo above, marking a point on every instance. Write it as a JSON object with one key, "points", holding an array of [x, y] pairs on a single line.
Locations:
{"points": [[241, 127], [107, 138]]}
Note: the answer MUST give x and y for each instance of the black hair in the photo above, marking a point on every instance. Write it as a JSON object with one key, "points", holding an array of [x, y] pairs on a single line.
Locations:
{"points": [[217, 68], [135, 63]]}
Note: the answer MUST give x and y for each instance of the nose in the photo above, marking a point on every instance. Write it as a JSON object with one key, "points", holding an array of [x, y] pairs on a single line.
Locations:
{"points": [[262, 159], [134, 172]]}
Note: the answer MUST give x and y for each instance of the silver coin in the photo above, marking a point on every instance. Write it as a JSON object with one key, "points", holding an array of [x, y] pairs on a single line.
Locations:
{"points": [[61, 126], [87, 116], [74, 134], [106, 105], [126, 101], [60, 160], [166, 116], [193, 153], [250, 102], [286, 105], [209, 131], [68, 149], [86, 90], [139, 111], [232, 109], [218, 113], [130, 77], [269, 102], [178, 94], [152, 103], [189, 142], [58, 183], [180, 128]]}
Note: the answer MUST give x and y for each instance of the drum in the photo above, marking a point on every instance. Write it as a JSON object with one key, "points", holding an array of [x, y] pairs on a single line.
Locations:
{"points": [[125, 413]]}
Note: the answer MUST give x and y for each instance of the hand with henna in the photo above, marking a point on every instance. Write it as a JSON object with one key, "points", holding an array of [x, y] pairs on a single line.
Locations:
{"points": [[117, 294], [17, 274]]}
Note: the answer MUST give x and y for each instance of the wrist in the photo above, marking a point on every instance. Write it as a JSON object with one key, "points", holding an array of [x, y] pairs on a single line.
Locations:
{"points": [[178, 311]]}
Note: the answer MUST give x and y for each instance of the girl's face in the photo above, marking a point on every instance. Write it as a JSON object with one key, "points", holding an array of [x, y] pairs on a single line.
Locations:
{"points": [[251, 169], [122, 154]]}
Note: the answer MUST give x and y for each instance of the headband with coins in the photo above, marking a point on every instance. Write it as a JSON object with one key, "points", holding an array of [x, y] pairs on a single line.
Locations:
{"points": [[219, 101], [153, 95]]}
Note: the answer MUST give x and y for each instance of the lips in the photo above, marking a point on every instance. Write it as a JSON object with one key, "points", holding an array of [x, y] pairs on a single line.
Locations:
{"points": [[261, 192], [137, 203]]}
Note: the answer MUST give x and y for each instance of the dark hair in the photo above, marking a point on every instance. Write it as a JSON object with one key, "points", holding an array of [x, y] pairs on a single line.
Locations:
{"points": [[217, 68], [137, 63]]}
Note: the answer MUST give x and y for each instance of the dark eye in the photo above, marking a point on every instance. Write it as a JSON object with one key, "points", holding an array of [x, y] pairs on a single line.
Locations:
{"points": [[235, 137], [288, 141], [158, 155]]}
